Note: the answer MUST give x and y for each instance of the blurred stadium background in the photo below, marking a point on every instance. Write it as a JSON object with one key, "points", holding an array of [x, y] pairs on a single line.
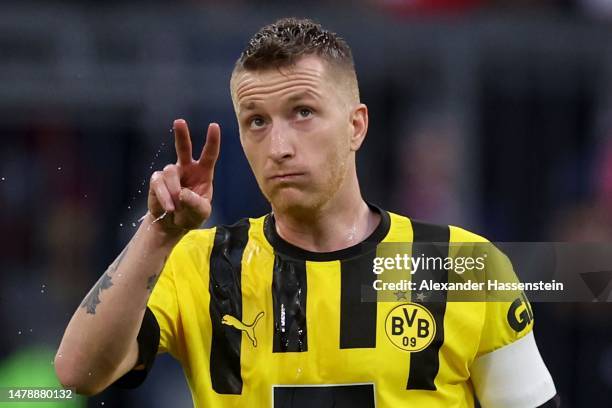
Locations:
{"points": [[492, 115]]}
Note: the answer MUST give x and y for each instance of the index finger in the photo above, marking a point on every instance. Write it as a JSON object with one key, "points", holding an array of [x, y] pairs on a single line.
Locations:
{"points": [[210, 152], [182, 142]]}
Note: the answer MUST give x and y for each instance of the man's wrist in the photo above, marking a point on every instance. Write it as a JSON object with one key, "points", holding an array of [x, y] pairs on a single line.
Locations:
{"points": [[161, 234]]}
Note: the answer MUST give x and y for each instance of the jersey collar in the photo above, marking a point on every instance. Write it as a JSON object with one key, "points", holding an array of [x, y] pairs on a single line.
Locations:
{"points": [[368, 244]]}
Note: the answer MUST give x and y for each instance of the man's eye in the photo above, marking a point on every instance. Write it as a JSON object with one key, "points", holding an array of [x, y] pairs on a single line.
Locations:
{"points": [[256, 122], [305, 112]]}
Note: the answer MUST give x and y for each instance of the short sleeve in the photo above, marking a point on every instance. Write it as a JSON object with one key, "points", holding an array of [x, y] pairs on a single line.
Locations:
{"points": [[507, 345], [508, 314]]}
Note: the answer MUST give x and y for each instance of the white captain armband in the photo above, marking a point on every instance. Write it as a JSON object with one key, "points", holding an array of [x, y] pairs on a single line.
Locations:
{"points": [[513, 376]]}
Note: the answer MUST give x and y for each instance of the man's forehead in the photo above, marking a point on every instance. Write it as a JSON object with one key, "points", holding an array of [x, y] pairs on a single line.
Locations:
{"points": [[308, 72]]}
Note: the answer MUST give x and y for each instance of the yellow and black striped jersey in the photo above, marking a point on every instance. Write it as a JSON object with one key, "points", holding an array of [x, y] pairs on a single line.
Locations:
{"points": [[258, 322]]}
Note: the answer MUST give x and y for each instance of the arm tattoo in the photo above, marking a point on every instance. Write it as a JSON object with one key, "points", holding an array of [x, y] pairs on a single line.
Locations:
{"points": [[92, 300], [152, 280]]}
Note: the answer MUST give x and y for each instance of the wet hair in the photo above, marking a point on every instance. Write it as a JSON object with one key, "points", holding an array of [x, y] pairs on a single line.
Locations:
{"points": [[285, 41]]}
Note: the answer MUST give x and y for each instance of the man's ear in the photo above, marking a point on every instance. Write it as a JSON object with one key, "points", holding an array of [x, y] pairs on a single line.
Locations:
{"points": [[359, 124]]}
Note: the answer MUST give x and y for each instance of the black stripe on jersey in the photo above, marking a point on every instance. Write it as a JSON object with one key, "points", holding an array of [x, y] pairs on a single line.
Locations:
{"points": [[226, 299], [325, 396], [430, 241], [357, 318], [289, 302]]}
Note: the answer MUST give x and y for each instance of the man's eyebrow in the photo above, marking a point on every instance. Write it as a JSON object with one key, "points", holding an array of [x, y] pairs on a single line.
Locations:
{"points": [[249, 105], [301, 95]]}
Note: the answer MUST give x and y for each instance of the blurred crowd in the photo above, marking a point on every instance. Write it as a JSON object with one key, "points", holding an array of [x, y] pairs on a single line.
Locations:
{"points": [[492, 115]]}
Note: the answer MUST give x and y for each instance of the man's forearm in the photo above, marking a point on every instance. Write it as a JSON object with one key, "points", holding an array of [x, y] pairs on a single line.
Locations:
{"points": [[97, 346]]}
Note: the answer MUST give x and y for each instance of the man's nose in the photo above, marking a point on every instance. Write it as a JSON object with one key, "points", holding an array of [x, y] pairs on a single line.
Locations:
{"points": [[281, 146]]}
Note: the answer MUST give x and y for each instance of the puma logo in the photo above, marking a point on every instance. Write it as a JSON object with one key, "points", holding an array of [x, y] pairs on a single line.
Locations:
{"points": [[249, 329]]}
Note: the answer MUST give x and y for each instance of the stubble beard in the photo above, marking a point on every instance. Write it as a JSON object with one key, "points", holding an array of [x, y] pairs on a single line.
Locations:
{"points": [[306, 204]]}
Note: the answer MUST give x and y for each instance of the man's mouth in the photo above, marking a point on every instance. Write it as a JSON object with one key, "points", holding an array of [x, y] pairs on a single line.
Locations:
{"points": [[286, 176]]}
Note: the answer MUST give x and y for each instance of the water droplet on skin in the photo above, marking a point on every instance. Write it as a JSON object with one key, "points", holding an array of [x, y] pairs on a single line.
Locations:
{"points": [[161, 217]]}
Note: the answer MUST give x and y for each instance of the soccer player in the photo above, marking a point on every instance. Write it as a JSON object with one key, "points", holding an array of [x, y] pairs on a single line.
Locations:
{"points": [[270, 312]]}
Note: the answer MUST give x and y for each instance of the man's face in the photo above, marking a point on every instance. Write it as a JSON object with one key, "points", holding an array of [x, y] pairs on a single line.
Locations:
{"points": [[295, 128]]}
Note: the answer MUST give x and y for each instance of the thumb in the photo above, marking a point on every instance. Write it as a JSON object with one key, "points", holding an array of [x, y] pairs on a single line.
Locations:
{"points": [[194, 202]]}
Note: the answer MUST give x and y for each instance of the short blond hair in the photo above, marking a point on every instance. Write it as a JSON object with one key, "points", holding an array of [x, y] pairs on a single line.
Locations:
{"points": [[284, 42]]}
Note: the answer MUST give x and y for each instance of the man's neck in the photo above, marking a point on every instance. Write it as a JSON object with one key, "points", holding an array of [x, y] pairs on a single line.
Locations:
{"points": [[332, 228]]}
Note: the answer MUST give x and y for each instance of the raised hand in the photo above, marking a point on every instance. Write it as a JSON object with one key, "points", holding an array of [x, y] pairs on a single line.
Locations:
{"points": [[184, 190]]}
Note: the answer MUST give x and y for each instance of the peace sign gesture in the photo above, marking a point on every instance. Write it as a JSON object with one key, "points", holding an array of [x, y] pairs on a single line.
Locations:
{"points": [[184, 190]]}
